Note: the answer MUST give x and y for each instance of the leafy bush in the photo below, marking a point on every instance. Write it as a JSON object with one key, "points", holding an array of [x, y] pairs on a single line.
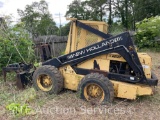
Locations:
{"points": [[147, 30], [16, 45], [18, 109]]}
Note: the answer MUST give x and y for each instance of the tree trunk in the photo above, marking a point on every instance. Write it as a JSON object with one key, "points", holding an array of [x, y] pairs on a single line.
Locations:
{"points": [[110, 13], [126, 14]]}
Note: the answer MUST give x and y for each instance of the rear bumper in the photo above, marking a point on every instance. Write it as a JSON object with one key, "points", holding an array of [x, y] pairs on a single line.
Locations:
{"points": [[153, 81]]}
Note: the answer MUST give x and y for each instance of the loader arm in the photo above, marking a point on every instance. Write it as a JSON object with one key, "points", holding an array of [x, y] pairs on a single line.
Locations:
{"points": [[121, 44]]}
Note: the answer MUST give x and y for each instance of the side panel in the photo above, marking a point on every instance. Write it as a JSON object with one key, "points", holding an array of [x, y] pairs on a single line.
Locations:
{"points": [[103, 61], [146, 61], [130, 91], [71, 79], [96, 63]]}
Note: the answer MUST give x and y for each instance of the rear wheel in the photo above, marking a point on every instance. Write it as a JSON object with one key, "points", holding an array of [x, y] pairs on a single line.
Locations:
{"points": [[96, 88], [48, 79]]}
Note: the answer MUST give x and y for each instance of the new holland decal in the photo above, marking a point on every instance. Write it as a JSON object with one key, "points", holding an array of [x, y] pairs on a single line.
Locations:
{"points": [[95, 47]]}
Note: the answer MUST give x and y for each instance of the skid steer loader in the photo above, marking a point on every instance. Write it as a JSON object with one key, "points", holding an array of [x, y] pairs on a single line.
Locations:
{"points": [[97, 65]]}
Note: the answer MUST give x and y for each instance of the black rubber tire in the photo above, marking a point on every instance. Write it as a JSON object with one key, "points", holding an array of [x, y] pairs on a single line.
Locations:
{"points": [[55, 76], [102, 81]]}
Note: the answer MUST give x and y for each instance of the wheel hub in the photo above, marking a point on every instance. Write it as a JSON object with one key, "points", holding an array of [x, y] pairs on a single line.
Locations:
{"points": [[93, 91], [47, 81], [44, 82]]}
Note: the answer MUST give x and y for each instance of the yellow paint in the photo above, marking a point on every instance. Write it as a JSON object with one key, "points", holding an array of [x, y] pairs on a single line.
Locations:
{"points": [[81, 42], [130, 91], [68, 46], [74, 36], [146, 61], [115, 57], [89, 64], [71, 79]]}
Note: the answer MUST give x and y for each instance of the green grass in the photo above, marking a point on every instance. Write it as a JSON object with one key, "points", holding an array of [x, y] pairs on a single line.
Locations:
{"points": [[154, 49]]}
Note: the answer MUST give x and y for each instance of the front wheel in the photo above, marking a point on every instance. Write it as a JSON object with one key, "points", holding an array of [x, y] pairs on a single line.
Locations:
{"points": [[96, 88], [48, 79]]}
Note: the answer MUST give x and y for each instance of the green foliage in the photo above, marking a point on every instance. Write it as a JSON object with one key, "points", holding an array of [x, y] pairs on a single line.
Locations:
{"points": [[87, 10], [37, 64], [65, 29], [18, 109], [146, 8], [37, 19], [16, 45], [47, 26], [128, 12], [147, 30]]}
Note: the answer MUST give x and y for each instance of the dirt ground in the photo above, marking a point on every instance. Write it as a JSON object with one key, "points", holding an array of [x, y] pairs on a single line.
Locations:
{"points": [[68, 106]]}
